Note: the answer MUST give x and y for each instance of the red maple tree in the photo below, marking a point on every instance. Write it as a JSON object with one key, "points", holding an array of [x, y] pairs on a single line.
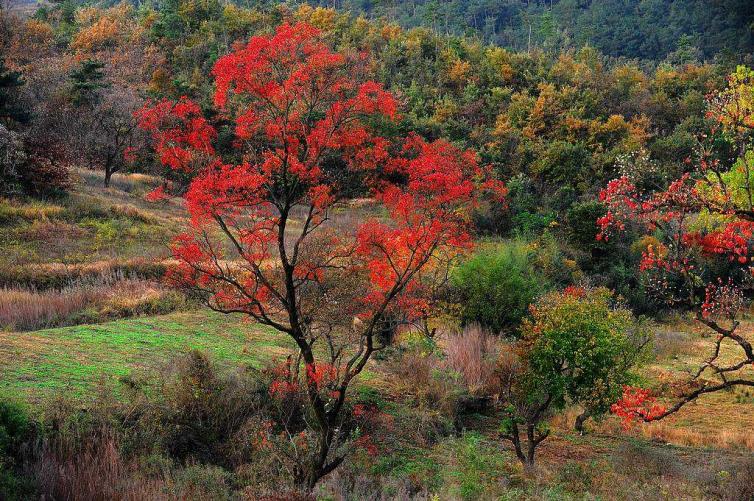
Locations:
{"points": [[703, 260], [265, 237]]}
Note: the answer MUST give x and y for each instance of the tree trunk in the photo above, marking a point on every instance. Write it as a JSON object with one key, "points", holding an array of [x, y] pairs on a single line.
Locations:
{"points": [[317, 468], [529, 463], [580, 420], [516, 439], [108, 170]]}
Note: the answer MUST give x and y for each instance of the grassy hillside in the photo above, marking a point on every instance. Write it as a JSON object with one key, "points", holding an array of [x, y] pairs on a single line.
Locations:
{"points": [[105, 247], [94, 255], [75, 359]]}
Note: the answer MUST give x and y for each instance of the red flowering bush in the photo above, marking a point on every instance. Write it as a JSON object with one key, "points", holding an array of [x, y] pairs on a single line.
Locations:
{"points": [[260, 240]]}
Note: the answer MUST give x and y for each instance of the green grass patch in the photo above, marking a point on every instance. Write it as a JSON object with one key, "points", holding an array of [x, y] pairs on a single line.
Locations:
{"points": [[74, 359], [477, 468], [410, 463]]}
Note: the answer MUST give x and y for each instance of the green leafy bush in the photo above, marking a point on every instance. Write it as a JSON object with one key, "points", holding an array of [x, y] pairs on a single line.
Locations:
{"points": [[496, 286], [582, 347], [15, 428]]}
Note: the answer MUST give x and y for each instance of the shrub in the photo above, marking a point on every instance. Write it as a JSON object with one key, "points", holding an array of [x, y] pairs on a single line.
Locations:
{"points": [[15, 426], [22, 172], [13, 158], [582, 347], [193, 411], [180, 435], [496, 285], [202, 482], [525, 207], [582, 225], [46, 177], [480, 467], [433, 392], [444, 384], [15, 429]]}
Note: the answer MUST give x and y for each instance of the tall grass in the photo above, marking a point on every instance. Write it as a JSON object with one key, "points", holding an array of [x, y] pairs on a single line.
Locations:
{"points": [[58, 275], [473, 354], [86, 300], [97, 473], [128, 182], [28, 310]]}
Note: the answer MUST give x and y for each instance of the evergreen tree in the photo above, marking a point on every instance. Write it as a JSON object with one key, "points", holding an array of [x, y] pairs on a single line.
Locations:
{"points": [[86, 81], [11, 110]]}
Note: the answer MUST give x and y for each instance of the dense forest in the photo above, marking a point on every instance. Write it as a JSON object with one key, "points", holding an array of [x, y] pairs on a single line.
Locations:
{"points": [[362, 249], [674, 30], [655, 29]]}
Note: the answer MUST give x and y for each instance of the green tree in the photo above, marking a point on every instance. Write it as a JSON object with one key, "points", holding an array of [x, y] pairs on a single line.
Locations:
{"points": [[579, 347], [11, 110], [86, 82]]}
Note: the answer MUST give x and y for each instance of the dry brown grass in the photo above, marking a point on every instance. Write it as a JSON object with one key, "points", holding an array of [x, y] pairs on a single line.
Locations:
{"points": [[31, 211], [134, 213], [714, 421], [723, 439], [473, 354], [98, 473], [112, 297], [129, 183], [60, 275], [28, 310]]}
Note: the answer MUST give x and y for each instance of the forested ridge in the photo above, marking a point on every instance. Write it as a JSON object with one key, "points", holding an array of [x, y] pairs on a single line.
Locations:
{"points": [[654, 30], [646, 29]]}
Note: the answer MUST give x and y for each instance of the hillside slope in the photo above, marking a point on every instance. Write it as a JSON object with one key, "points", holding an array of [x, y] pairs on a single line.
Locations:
{"points": [[622, 28]]}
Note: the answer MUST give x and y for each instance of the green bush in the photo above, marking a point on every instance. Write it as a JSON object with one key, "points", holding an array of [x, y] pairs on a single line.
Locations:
{"points": [[203, 481], [583, 347], [582, 225], [15, 428], [578, 347], [496, 286]]}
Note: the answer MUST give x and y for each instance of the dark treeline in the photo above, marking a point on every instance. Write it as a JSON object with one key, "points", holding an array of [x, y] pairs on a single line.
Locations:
{"points": [[656, 29]]}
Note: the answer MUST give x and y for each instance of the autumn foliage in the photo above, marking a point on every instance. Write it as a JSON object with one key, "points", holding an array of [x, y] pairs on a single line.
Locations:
{"points": [[261, 241], [706, 221]]}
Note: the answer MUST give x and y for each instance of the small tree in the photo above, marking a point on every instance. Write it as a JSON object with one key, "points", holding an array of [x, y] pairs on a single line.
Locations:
{"points": [[101, 119], [12, 160], [578, 348], [705, 222], [262, 242], [11, 110]]}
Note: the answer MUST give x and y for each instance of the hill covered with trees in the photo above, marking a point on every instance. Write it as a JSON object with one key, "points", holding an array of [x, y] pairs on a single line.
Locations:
{"points": [[654, 29]]}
